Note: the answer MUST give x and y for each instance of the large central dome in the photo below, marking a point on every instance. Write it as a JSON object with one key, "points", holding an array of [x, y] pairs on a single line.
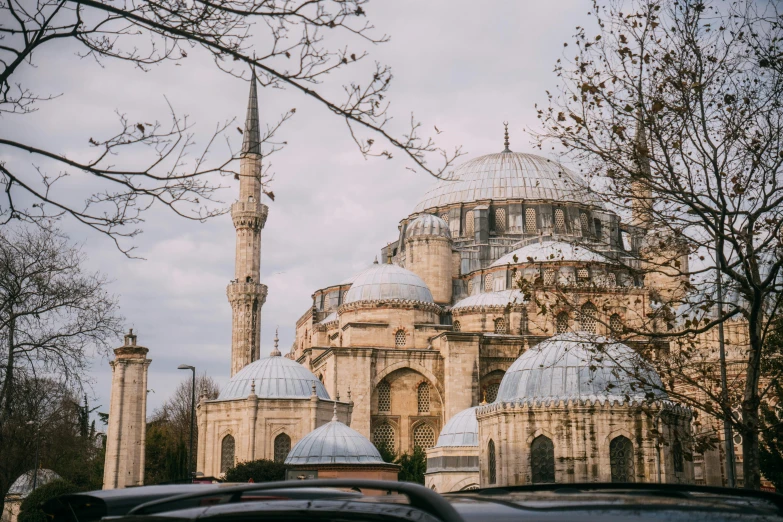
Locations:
{"points": [[509, 175]]}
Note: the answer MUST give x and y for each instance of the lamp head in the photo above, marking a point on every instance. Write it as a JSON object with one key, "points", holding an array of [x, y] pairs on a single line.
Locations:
{"points": [[185, 367]]}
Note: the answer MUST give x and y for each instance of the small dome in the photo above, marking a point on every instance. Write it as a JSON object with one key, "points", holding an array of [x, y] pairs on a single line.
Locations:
{"points": [[23, 485], [275, 377], [428, 225], [550, 251], [334, 443], [461, 430], [491, 299], [579, 366], [509, 175], [388, 283]]}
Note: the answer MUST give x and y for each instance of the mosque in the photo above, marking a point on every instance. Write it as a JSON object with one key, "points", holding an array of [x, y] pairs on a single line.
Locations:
{"points": [[487, 334]]}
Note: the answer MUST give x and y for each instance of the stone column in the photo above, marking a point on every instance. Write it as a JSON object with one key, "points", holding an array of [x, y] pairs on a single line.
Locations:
{"points": [[125, 440]]}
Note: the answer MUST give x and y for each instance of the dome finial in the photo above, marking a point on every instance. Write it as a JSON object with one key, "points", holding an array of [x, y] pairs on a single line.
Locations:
{"points": [[505, 137], [276, 351], [334, 417], [376, 261]]}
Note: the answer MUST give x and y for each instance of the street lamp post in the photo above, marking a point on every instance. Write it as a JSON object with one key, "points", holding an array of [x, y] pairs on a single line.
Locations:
{"points": [[191, 469]]}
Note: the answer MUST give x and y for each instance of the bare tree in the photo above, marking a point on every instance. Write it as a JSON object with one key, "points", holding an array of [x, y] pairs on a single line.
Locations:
{"points": [[305, 42], [53, 314], [673, 111], [176, 409]]}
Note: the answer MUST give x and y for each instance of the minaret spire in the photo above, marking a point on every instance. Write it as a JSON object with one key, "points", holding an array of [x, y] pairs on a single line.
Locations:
{"points": [[245, 293], [640, 184]]}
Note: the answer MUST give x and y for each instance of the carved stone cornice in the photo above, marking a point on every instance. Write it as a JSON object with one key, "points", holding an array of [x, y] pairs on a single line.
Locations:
{"points": [[244, 291], [390, 303], [249, 214]]}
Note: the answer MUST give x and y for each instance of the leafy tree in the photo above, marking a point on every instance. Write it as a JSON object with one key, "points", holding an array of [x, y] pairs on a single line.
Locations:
{"points": [[307, 46], [673, 112], [30, 510], [261, 470], [387, 454], [413, 466]]}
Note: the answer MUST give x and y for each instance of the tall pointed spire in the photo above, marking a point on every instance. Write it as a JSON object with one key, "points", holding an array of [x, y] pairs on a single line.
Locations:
{"points": [[252, 136], [276, 351], [640, 185]]}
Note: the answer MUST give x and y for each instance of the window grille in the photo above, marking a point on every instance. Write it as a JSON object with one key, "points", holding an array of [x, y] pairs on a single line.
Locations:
{"points": [[517, 275], [488, 283], [457, 327], [561, 323], [491, 392], [424, 398], [423, 436], [585, 224], [677, 456], [500, 325], [559, 221], [399, 338], [470, 287], [282, 447], [587, 317], [383, 436], [384, 397], [493, 478], [542, 460], [469, 223], [523, 324], [227, 448], [500, 220], [621, 459], [549, 276], [616, 324], [611, 279], [582, 275], [530, 221], [445, 217]]}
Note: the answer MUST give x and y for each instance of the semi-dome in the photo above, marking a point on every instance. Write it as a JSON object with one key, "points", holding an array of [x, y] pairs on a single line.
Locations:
{"points": [[461, 430], [491, 299], [509, 175], [580, 366], [550, 251], [334, 443], [275, 377], [23, 485], [428, 225], [388, 282]]}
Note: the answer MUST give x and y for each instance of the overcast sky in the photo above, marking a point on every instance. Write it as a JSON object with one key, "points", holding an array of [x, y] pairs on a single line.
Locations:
{"points": [[464, 66]]}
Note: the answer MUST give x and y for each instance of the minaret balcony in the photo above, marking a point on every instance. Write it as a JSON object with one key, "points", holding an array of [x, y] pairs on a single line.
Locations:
{"points": [[250, 214], [244, 290]]}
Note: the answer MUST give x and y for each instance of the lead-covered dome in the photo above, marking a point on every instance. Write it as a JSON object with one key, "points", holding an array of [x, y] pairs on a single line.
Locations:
{"points": [[427, 225], [23, 485], [580, 366], [500, 299], [388, 283], [274, 377], [461, 430], [334, 443], [509, 175], [550, 251]]}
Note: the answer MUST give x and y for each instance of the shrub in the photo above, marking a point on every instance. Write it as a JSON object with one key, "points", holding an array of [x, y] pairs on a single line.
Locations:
{"points": [[261, 470], [30, 510]]}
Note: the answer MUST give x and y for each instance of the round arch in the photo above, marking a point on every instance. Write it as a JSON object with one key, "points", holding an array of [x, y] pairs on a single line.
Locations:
{"points": [[418, 368]]}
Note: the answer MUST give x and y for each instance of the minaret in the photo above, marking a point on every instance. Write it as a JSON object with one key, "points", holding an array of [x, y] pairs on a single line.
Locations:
{"points": [[640, 186], [125, 439], [245, 293]]}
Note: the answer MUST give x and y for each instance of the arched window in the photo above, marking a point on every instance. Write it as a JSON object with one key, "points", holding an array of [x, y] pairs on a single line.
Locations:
{"points": [[384, 397], [469, 223], [677, 456], [582, 275], [500, 325], [530, 221], [587, 317], [523, 325], [611, 279], [616, 324], [445, 217], [491, 392], [457, 327], [282, 447], [470, 287], [227, 448], [383, 436], [559, 221], [399, 338], [424, 398], [585, 224], [621, 459], [500, 220], [549, 276], [423, 436], [561, 322], [542, 460], [488, 283], [493, 477]]}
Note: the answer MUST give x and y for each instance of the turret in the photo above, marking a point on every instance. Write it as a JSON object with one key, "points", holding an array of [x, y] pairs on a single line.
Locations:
{"points": [[428, 255]]}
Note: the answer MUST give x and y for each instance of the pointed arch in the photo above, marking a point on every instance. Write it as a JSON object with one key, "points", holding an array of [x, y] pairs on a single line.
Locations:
{"points": [[492, 462], [621, 459], [227, 453], [282, 447], [542, 460]]}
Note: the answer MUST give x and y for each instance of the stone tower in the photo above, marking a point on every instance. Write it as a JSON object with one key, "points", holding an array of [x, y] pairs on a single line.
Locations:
{"points": [[127, 417], [245, 293]]}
